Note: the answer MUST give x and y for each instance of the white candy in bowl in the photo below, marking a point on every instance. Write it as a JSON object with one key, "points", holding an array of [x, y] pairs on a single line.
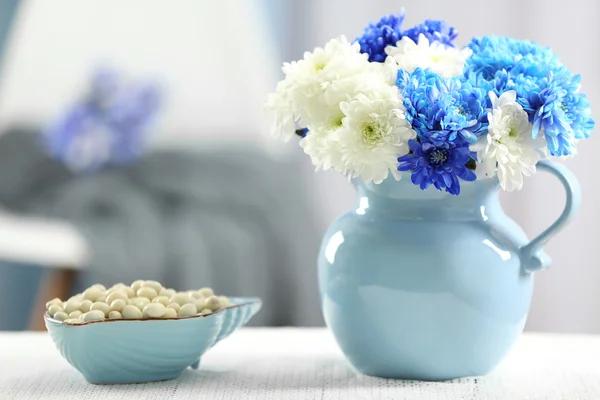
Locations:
{"points": [[142, 332]]}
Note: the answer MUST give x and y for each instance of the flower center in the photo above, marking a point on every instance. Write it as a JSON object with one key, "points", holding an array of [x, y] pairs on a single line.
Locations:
{"points": [[320, 66], [512, 132], [370, 133], [461, 110], [562, 106], [438, 156]]}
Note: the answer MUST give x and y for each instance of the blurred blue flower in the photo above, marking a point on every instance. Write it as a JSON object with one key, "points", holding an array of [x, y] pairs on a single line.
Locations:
{"points": [[434, 30], [443, 110], [440, 164], [377, 36], [107, 127]]}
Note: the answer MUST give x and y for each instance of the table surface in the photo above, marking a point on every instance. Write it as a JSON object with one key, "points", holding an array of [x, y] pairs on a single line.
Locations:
{"points": [[294, 363]]}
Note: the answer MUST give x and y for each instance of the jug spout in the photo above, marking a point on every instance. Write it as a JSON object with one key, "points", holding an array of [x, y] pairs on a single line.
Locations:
{"points": [[535, 262]]}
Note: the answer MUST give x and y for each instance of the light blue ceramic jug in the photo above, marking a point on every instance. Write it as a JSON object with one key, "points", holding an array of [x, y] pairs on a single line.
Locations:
{"points": [[424, 285]]}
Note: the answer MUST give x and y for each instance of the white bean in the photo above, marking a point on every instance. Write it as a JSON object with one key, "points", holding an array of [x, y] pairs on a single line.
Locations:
{"points": [[102, 307], [53, 309], [187, 310], [128, 291], [166, 292], [164, 300], [60, 316], [206, 292], [92, 294], [137, 285], [213, 303], [93, 315], [140, 302], [117, 305], [153, 284], [199, 303], [74, 321], [170, 313], [52, 302], [142, 299], [155, 310], [181, 298], [72, 305], [131, 312], [116, 295], [85, 305], [147, 292], [225, 302]]}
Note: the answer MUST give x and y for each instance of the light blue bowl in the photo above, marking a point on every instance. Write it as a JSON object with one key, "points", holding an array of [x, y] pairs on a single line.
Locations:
{"points": [[134, 351]]}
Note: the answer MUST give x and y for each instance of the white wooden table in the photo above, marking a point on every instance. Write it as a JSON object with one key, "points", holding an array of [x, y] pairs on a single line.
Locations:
{"points": [[291, 363]]}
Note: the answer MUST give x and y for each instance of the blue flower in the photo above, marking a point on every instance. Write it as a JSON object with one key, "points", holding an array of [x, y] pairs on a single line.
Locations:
{"points": [[377, 36], [556, 105], [548, 92], [434, 30], [106, 127], [494, 53], [440, 164], [443, 110], [388, 31]]}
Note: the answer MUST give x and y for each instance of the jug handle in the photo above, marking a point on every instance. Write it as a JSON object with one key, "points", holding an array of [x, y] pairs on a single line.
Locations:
{"points": [[532, 256]]}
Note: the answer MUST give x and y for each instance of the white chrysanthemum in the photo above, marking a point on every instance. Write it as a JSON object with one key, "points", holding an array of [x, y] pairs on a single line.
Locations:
{"points": [[374, 134], [508, 149], [323, 148], [322, 142], [444, 60], [301, 95], [387, 69], [281, 109]]}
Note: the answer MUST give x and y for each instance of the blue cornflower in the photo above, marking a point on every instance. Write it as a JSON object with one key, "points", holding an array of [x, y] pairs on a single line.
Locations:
{"points": [[377, 36], [440, 164], [443, 110], [555, 104], [107, 127], [434, 30]]}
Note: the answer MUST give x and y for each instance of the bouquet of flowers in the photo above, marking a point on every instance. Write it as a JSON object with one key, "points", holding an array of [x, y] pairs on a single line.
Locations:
{"points": [[398, 100]]}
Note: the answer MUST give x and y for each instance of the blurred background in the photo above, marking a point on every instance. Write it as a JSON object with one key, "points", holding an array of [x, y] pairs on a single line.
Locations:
{"points": [[205, 197]]}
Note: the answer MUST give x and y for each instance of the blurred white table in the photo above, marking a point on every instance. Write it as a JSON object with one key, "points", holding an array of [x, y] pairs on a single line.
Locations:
{"points": [[288, 363]]}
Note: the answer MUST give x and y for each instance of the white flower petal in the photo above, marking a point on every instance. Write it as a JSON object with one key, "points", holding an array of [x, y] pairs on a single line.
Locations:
{"points": [[508, 148], [443, 60], [374, 134]]}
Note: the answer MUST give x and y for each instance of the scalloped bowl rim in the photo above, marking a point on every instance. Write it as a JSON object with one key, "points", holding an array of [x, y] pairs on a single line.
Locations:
{"points": [[246, 301]]}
